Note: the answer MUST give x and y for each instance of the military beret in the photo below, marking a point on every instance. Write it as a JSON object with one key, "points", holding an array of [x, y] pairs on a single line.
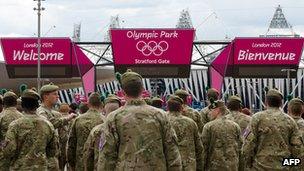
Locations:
{"points": [[176, 98], [112, 99], [49, 88], [235, 99], [296, 101], [10, 94], [212, 92], [274, 92], [181, 92], [216, 104], [28, 93], [130, 76], [154, 99]]}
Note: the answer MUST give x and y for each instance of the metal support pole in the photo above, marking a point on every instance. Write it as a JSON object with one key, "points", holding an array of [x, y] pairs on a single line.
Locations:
{"points": [[39, 9]]}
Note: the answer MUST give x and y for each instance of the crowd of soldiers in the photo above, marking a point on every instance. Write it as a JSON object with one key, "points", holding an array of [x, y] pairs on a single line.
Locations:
{"points": [[139, 135]]}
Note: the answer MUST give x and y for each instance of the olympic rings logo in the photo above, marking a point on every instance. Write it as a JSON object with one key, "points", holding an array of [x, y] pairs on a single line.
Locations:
{"points": [[152, 47]]}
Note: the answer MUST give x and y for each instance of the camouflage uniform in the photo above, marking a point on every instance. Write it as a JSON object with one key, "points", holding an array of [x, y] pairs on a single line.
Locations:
{"points": [[53, 116], [195, 116], [190, 112], [80, 131], [138, 137], [7, 116], [222, 141], [31, 142], [212, 95], [205, 115], [299, 120], [189, 143], [241, 119], [272, 136], [90, 150]]}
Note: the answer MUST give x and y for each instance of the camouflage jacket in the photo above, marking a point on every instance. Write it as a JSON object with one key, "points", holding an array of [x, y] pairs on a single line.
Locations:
{"points": [[189, 142], [272, 136], [138, 137], [30, 143], [7, 116], [53, 116], [90, 150], [80, 131], [300, 123], [205, 115], [195, 116], [241, 119], [222, 141]]}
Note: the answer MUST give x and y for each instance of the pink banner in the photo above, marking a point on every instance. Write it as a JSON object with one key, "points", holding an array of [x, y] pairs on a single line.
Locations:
{"points": [[267, 51], [88, 80], [152, 46], [216, 79], [23, 51]]}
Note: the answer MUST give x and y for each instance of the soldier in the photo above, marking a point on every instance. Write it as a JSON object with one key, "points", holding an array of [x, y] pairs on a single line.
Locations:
{"points": [[90, 151], [80, 131], [235, 106], [9, 114], [31, 141], [295, 110], [212, 95], [137, 136], [188, 111], [271, 137], [157, 102], [222, 141], [63, 135], [49, 97], [189, 142]]}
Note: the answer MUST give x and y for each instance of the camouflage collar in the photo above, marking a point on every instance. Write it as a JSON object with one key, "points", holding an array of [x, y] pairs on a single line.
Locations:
{"points": [[175, 113], [296, 117], [11, 108], [93, 110], [136, 102]]}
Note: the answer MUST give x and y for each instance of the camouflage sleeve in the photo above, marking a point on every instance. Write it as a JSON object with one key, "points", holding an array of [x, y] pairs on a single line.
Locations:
{"points": [[57, 121], [171, 151], [10, 143], [250, 136], [204, 117], [1, 135], [71, 146], [206, 143], [52, 150], [108, 143], [296, 142], [240, 143], [88, 152], [198, 149], [199, 121]]}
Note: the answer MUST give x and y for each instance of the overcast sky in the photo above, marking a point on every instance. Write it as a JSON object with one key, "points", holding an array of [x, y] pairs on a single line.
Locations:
{"points": [[213, 19]]}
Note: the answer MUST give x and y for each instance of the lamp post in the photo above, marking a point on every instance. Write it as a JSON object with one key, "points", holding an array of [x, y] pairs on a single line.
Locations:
{"points": [[39, 9], [288, 70]]}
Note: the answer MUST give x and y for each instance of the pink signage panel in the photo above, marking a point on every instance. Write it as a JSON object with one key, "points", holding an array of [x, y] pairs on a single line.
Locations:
{"points": [[152, 46], [267, 51], [23, 51]]}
